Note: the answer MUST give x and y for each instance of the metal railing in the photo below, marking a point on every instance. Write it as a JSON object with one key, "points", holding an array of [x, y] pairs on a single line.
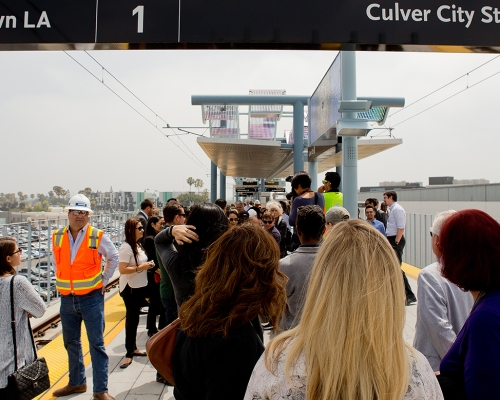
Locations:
{"points": [[34, 237], [418, 248]]}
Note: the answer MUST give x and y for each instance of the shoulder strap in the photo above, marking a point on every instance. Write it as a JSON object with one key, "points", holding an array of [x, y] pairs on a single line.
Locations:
{"points": [[13, 321], [315, 198]]}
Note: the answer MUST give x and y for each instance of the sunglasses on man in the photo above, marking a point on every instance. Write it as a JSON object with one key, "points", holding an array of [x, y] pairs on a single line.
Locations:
{"points": [[79, 212]]}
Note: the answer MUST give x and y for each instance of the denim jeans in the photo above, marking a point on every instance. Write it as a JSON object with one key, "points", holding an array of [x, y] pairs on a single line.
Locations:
{"points": [[88, 308]]}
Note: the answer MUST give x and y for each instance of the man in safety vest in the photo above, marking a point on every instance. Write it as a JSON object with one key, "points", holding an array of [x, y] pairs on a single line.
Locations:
{"points": [[77, 250], [330, 189]]}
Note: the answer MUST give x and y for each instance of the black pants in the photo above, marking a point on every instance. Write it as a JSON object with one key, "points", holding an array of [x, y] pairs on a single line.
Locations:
{"points": [[132, 297], [155, 306], [398, 248]]}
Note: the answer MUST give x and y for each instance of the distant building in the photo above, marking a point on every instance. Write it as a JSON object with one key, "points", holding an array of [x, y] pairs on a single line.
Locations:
{"points": [[390, 185]]}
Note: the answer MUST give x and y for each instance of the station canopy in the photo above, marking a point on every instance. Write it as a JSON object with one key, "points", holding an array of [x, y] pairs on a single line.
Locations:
{"points": [[262, 152]]}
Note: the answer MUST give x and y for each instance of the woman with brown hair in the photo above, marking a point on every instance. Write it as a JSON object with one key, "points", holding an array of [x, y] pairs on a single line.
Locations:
{"points": [[133, 284], [217, 345]]}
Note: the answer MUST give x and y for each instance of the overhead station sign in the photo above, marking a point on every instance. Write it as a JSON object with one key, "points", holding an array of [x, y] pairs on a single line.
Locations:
{"points": [[229, 23]]}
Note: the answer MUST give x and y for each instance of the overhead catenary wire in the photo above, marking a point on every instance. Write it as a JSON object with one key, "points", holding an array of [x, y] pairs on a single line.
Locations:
{"points": [[101, 80], [441, 101]]}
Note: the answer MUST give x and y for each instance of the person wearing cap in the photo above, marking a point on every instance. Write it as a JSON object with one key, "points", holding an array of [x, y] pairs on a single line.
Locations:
{"points": [[77, 253], [335, 215], [256, 203], [330, 189]]}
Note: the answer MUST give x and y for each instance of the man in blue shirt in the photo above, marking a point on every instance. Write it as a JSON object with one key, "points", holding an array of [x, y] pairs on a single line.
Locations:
{"points": [[370, 218]]}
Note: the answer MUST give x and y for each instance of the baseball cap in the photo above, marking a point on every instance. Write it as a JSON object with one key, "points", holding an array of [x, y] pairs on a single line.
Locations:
{"points": [[336, 214]]}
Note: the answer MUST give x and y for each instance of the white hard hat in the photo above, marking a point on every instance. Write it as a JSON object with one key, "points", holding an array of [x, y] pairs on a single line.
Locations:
{"points": [[79, 202]]}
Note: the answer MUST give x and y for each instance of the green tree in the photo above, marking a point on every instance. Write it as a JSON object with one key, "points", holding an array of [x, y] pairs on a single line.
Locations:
{"points": [[87, 192], [41, 197], [22, 196], [32, 196], [59, 191], [51, 193], [191, 198], [198, 184], [190, 181]]}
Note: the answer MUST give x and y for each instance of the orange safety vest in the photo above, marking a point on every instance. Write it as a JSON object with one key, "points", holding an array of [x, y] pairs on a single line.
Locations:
{"points": [[85, 274]]}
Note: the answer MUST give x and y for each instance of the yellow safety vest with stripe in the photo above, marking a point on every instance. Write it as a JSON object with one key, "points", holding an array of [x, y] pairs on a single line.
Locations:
{"points": [[84, 274]]}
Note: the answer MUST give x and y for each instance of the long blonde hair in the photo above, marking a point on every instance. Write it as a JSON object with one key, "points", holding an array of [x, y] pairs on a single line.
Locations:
{"points": [[351, 330]]}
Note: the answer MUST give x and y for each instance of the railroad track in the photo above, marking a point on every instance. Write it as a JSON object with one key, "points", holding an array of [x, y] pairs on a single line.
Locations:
{"points": [[40, 329]]}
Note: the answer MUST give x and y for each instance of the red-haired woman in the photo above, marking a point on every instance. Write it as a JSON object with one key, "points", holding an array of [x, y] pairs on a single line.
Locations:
{"points": [[133, 263], [470, 258], [218, 346]]}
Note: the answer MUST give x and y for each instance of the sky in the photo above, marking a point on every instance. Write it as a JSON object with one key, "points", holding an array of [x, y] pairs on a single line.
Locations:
{"points": [[60, 125]]}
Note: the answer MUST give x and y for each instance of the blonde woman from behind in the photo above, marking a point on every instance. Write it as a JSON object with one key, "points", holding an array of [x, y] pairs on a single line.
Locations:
{"points": [[349, 343]]}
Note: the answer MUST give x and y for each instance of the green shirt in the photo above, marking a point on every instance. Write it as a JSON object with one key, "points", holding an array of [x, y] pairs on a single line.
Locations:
{"points": [[333, 199]]}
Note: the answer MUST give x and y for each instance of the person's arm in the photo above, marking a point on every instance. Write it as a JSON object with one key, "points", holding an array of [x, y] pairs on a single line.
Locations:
{"points": [[482, 356], [125, 256], [108, 250], [27, 298], [432, 310], [400, 216]]}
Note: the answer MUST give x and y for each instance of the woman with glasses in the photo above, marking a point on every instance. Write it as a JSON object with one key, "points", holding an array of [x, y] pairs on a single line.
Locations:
{"points": [[277, 212], [232, 217], [268, 223], [133, 264], [27, 303]]}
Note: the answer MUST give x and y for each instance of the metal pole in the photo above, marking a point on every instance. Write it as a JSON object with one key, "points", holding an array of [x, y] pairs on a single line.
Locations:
{"points": [[298, 136], [349, 143], [338, 149], [312, 168], [262, 188], [213, 182], [222, 183]]}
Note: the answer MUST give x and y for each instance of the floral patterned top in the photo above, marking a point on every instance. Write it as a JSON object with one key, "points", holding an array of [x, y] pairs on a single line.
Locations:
{"points": [[423, 384]]}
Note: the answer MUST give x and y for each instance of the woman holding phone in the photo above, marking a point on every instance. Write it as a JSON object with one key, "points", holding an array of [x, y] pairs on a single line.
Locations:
{"points": [[133, 262]]}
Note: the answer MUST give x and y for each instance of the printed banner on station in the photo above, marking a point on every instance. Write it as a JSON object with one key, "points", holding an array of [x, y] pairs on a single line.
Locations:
{"points": [[417, 22]]}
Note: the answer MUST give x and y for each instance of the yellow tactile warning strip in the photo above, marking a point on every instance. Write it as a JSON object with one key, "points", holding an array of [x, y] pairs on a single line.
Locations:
{"points": [[55, 353], [410, 270]]}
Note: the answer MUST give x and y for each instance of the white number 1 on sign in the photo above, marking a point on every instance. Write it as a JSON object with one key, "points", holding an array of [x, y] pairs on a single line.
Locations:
{"points": [[139, 10]]}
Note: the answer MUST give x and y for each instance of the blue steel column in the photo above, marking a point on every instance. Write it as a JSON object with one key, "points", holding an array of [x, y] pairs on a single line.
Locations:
{"points": [[298, 136], [262, 187], [213, 182], [222, 183], [349, 143], [312, 169]]}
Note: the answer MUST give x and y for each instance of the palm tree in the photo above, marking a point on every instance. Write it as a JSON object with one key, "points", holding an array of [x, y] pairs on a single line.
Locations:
{"points": [[198, 184], [190, 182]]}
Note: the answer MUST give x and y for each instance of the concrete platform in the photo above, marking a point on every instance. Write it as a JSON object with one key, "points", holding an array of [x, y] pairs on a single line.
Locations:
{"points": [[138, 381]]}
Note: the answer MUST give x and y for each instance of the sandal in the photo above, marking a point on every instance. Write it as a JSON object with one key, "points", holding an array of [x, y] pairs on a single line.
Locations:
{"points": [[126, 364]]}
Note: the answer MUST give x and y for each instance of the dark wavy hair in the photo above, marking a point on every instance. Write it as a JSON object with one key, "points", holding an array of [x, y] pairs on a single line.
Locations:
{"points": [[470, 250], [7, 247], [130, 226], [210, 222], [301, 178], [239, 281]]}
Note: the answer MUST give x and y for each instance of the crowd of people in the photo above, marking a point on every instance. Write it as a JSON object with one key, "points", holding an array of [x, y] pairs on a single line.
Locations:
{"points": [[328, 286]]}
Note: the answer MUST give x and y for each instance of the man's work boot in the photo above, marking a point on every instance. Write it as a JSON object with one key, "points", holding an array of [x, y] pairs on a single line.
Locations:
{"points": [[67, 390], [102, 396]]}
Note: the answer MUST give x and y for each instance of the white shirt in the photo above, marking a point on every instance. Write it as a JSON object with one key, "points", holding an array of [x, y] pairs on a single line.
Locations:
{"points": [[135, 279], [397, 219], [264, 385]]}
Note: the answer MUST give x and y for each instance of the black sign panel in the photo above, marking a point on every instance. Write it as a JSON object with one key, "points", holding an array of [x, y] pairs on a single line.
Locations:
{"points": [[138, 21], [274, 189], [281, 23], [246, 189], [47, 21]]}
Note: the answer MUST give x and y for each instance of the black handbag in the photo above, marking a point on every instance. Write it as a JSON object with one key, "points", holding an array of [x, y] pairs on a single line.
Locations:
{"points": [[30, 380]]}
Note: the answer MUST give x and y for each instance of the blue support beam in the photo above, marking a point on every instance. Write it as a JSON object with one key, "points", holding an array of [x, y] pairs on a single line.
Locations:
{"points": [[213, 182]]}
